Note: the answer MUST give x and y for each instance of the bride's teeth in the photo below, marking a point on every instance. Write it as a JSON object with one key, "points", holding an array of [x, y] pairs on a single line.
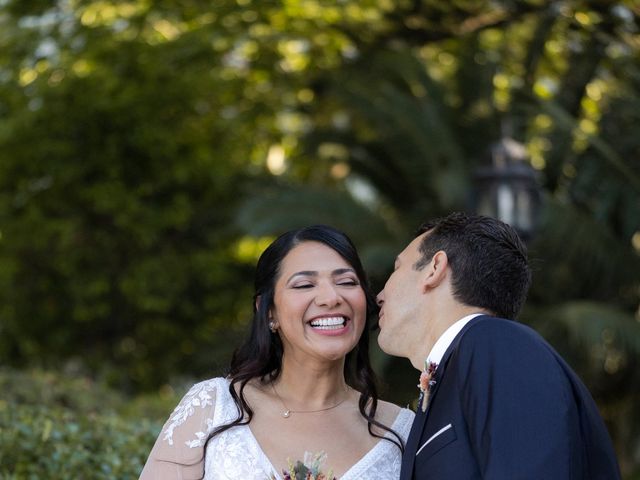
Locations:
{"points": [[328, 323]]}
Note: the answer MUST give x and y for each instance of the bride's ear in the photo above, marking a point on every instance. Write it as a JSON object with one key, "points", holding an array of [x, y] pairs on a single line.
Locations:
{"points": [[257, 305]]}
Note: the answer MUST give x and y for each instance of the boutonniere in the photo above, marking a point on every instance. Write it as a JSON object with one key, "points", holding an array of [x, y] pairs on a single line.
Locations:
{"points": [[427, 381]]}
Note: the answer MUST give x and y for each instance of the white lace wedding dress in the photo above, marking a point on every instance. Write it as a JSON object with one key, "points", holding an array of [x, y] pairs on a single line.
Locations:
{"points": [[235, 454]]}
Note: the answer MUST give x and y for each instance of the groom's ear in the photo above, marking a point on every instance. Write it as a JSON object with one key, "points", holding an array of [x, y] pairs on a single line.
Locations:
{"points": [[436, 271]]}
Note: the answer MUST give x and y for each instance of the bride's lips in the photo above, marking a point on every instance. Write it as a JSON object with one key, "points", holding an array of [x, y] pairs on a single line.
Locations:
{"points": [[330, 325]]}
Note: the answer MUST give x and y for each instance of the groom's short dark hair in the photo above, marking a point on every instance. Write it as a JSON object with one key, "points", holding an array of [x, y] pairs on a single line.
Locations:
{"points": [[488, 261]]}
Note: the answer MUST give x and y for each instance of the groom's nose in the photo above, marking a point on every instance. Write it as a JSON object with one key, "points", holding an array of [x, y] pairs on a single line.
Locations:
{"points": [[380, 298]]}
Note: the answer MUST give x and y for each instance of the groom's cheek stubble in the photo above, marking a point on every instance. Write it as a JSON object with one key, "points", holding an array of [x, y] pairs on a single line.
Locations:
{"points": [[382, 340], [386, 341]]}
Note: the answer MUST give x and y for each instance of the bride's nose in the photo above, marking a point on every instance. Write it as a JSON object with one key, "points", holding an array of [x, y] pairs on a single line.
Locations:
{"points": [[327, 295]]}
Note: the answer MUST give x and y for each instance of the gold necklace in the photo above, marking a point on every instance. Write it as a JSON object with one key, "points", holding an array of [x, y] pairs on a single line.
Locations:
{"points": [[287, 411]]}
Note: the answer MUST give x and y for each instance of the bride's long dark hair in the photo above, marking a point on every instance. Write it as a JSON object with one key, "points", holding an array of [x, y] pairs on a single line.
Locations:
{"points": [[260, 356]]}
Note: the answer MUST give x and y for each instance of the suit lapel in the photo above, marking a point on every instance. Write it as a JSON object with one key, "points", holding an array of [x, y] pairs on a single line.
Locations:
{"points": [[417, 428], [412, 445], [409, 457]]}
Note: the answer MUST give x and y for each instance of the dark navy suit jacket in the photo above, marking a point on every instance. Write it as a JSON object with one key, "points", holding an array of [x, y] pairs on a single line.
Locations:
{"points": [[505, 406]]}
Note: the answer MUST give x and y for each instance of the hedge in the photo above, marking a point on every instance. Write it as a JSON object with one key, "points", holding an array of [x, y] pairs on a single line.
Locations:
{"points": [[53, 427]]}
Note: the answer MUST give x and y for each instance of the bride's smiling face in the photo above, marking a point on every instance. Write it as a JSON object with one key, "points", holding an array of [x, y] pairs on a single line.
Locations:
{"points": [[319, 305]]}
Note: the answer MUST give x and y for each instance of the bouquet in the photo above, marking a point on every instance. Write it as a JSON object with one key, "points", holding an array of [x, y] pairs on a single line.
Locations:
{"points": [[308, 469]]}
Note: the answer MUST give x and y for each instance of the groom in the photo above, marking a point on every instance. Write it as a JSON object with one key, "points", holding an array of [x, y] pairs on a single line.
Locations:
{"points": [[496, 401]]}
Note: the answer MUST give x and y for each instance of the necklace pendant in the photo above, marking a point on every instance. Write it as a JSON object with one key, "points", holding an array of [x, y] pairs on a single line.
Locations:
{"points": [[286, 413]]}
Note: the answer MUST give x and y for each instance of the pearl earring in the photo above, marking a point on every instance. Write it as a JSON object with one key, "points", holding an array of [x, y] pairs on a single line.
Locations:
{"points": [[272, 326]]}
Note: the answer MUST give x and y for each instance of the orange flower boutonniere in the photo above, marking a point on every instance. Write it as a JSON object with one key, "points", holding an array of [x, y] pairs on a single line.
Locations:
{"points": [[427, 381]]}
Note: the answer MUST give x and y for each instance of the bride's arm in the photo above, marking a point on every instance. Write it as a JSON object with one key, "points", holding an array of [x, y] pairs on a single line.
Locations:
{"points": [[178, 453]]}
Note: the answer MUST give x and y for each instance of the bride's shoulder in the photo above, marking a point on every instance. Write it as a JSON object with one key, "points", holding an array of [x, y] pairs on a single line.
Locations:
{"points": [[196, 407], [180, 445], [388, 413], [209, 385], [204, 392]]}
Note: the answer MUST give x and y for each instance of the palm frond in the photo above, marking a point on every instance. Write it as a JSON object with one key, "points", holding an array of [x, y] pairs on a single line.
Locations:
{"points": [[576, 256], [589, 323], [407, 112], [282, 208]]}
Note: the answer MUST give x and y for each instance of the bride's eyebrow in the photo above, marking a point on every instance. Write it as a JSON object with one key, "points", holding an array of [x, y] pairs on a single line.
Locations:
{"points": [[341, 271], [313, 273], [304, 273]]}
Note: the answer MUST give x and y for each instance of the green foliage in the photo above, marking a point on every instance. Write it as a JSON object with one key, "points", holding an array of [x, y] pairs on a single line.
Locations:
{"points": [[50, 389], [114, 247], [83, 395], [42, 442], [53, 426]]}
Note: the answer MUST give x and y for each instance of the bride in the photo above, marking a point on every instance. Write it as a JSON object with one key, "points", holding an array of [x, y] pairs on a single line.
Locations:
{"points": [[302, 381]]}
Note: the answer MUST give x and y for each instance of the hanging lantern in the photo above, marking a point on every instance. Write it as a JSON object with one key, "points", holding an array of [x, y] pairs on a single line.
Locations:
{"points": [[508, 189]]}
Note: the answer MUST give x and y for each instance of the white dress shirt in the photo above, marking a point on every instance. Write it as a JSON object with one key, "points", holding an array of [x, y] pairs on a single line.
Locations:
{"points": [[440, 347]]}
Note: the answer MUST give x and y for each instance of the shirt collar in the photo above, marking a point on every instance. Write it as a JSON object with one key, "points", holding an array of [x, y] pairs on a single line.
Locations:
{"points": [[440, 347]]}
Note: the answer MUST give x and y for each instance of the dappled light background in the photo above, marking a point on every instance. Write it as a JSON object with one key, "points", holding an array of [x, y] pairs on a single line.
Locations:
{"points": [[149, 151]]}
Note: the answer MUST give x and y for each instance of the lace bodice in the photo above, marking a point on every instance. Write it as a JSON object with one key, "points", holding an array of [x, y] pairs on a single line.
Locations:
{"points": [[235, 453]]}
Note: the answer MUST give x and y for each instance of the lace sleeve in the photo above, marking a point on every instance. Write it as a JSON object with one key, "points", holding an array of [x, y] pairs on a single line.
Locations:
{"points": [[199, 399], [179, 450]]}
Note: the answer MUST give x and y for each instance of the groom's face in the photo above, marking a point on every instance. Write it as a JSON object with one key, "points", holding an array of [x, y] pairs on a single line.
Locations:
{"points": [[401, 318]]}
